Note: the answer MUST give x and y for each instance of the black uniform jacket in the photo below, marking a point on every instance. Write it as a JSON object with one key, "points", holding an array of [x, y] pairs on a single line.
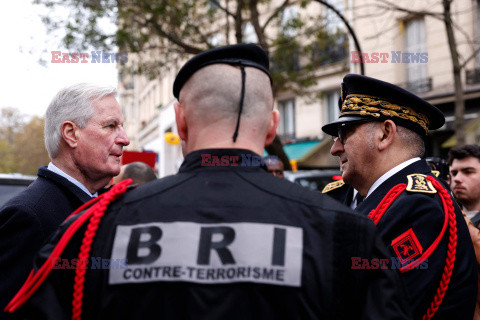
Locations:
{"points": [[408, 228], [27, 221], [224, 239]]}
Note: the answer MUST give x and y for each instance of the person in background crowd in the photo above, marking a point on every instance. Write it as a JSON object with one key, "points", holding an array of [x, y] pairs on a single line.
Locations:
{"points": [[138, 171], [439, 168], [464, 164], [84, 138], [274, 165], [223, 238], [379, 141]]}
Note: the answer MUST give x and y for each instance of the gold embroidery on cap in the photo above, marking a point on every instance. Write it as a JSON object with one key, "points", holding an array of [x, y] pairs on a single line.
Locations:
{"points": [[365, 105]]}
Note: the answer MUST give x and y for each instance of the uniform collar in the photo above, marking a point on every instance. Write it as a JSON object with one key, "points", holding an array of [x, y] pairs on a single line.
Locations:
{"points": [[400, 176], [390, 173], [222, 159]]}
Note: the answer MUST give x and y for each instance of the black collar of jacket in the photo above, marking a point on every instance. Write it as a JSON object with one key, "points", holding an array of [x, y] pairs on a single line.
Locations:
{"points": [[63, 183], [377, 195], [222, 159]]}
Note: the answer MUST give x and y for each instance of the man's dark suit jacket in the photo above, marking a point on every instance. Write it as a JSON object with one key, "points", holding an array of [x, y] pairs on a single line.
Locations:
{"points": [[26, 221]]}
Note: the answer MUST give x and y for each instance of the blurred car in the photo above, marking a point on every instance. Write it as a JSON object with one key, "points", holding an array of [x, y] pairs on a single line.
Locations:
{"points": [[12, 184], [313, 179]]}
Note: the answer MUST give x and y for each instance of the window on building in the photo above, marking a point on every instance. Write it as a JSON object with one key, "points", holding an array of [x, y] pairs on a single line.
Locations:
{"points": [[332, 46], [331, 106], [286, 127], [333, 23], [414, 45]]}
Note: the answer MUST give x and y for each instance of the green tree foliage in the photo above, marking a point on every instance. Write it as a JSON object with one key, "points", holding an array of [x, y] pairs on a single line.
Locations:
{"points": [[11, 122], [22, 148], [29, 147], [7, 158], [162, 31]]}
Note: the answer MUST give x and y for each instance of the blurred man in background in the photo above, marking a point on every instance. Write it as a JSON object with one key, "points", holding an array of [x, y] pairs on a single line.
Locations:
{"points": [[138, 171], [274, 165]]}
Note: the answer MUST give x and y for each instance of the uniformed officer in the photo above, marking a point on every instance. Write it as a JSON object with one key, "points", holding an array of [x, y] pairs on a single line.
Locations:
{"points": [[223, 238], [380, 142]]}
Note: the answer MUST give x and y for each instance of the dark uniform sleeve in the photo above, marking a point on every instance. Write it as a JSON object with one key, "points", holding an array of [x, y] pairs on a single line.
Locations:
{"points": [[409, 228], [374, 289], [20, 238], [386, 298]]}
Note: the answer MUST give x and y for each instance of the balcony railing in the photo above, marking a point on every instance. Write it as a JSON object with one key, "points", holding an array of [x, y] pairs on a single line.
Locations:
{"points": [[473, 76], [335, 52], [418, 86]]}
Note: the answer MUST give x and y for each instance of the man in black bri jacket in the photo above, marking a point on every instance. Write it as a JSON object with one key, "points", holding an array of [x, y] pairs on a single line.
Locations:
{"points": [[379, 141], [223, 238]]}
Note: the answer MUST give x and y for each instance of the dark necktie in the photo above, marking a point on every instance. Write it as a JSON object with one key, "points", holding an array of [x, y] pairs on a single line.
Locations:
{"points": [[359, 199]]}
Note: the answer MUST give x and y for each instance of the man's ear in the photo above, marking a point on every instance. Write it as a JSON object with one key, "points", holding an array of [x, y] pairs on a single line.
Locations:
{"points": [[272, 127], [388, 132], [69, 132], [180, 120]]}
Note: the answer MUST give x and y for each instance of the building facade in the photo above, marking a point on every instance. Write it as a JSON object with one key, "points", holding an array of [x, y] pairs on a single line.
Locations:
{"points": [[406, 46]]}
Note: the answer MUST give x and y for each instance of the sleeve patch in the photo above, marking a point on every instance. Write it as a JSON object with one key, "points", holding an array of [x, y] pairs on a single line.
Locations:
{"points": [[419, 183], [333, 185], [406, 246]]}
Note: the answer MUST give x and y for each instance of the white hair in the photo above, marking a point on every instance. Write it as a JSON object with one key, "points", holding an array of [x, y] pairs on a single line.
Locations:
{"points": [[73, 103], [413, 142]]}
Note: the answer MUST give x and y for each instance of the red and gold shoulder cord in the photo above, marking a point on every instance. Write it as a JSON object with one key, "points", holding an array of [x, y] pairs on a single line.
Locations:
{"points": [[377, 213]]}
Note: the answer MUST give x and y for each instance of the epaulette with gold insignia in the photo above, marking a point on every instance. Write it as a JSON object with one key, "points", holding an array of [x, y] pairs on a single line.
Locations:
{"points": [[418, 183], [333, 185], [436, 173]]}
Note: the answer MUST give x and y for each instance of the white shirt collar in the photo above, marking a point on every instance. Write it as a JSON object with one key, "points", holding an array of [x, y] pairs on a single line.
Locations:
{"points": [[471, 214], [382, 179], [58, 171], [390, 173]]}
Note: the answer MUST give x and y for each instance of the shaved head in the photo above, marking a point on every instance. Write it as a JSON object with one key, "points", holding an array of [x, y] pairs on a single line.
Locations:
{"points": [[213, 95]]}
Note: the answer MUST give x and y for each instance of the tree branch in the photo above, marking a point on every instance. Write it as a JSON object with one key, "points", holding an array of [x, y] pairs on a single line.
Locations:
{"points": [[224, 9], [391, 6], [256, 25], [470, 58], [239, 21], [173, 38], [285, 4]]}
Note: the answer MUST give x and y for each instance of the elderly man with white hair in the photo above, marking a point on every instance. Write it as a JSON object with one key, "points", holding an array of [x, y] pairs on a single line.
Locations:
{"points": [[84, 138]]}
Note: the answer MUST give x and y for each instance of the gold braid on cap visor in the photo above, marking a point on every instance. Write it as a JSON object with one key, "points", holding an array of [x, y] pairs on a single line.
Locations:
{"points": [[365, 106]]}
